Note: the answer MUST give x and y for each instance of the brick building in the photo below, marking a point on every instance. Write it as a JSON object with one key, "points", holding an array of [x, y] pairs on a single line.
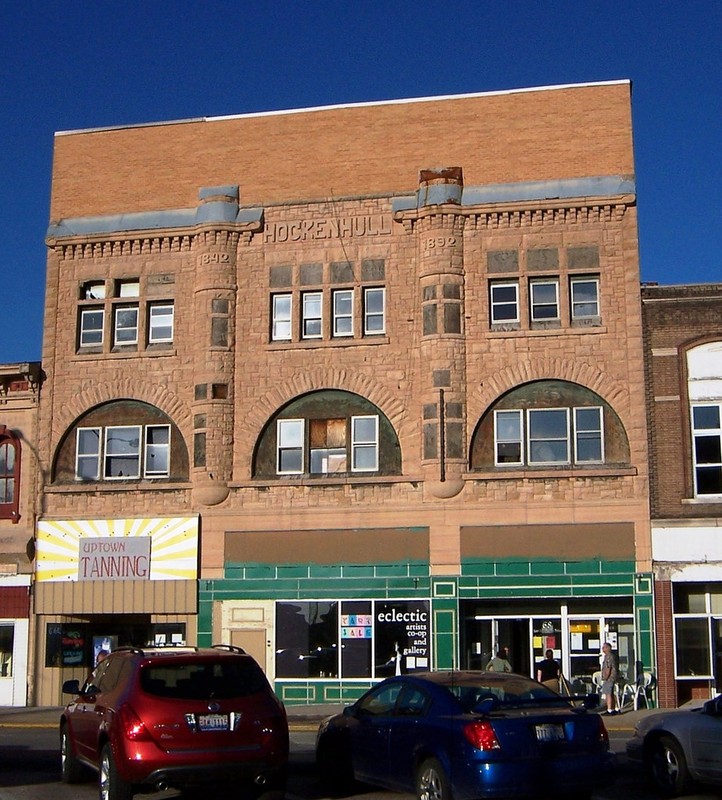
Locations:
{"points": [[683, 355], [19, 391], [358, 388]]}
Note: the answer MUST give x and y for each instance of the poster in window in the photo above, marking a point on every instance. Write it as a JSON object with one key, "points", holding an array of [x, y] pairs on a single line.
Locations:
{"points": [[402, 634]]}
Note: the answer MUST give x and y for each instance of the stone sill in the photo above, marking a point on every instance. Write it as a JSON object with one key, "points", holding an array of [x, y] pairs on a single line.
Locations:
{"points": [[341, 341], [534, 332], [331, 480], [108, 486], [544, 474], [83, 357]]}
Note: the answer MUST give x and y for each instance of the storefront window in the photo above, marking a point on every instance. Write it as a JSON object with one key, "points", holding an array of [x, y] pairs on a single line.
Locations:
{"points": [[306, 640], [374, 638], [7, 635], [65, 645], [692, 651]]}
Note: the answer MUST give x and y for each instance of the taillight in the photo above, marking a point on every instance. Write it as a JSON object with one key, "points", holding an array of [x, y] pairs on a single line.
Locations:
{"points": [[131, 725], [481, 735]]}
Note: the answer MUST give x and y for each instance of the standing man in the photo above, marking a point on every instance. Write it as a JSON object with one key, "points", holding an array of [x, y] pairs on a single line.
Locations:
{"points": [[610, 676]]}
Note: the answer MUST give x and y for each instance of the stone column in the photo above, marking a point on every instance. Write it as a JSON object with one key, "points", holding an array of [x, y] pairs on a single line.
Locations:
{"points": [[214, 310], [439, 229]]}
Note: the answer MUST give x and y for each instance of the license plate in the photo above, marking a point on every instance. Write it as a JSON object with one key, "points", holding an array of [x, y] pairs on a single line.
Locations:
{"points": [[213, 722], [550, 732]]}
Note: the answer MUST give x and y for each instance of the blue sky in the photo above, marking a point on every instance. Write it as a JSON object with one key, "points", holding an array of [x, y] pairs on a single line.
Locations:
{"points": [[73, 65]]}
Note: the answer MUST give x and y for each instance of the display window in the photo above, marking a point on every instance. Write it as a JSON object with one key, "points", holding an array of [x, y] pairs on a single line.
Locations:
{"points": [[348, 639]]}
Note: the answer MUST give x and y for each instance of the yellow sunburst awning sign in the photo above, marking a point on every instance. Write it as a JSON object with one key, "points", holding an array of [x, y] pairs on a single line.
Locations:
{"points": [[173, 545]]}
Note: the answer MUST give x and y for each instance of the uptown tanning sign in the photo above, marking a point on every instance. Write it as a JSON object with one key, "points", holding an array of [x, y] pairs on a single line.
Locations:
{"points": [[114, 559]]}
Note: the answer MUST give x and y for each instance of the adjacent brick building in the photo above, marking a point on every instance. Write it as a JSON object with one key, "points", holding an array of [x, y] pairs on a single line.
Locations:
{"points": [[683, 356], [358, 388], [19, 476]]}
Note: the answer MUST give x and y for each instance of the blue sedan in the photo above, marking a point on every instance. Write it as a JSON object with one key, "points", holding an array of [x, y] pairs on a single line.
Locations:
{"points": [[467, 735]]}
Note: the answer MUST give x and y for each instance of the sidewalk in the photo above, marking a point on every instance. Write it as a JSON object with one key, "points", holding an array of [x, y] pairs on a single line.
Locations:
{"points": [[300, 718]]}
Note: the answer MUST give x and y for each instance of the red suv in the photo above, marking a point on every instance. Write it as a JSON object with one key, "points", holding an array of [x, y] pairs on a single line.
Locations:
{"points": [[149, 719]]}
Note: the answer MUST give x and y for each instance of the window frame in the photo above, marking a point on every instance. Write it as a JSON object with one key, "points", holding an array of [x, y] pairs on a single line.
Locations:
{"points": [[369, 316], [108, 458], [153, 311], [308, 320], [520, 441], [160, 446], [84, 330], [88, 455], [494, 305], [699, 433], [338, 317], [577, 437], [364, 445], [10, 441], [536, 305], [575, 281], [279, 319], [280, 448], [117, 311], [530, 413]]}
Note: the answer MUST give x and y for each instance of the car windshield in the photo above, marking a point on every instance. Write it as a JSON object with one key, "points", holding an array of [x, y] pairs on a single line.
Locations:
{"points": [[503, 692], [203, 680]]}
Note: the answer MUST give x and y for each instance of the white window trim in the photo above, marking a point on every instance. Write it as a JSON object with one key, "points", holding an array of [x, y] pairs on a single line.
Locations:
{"points": [[573, 282], [494, 304], [369, 315], [127, 342], [87, 456], [279, 319], [520, 441], [356, 444], [534, 284], [161, 310], [279, 424], [106, 432], [305, 318], [339, 316], [600, 414], [704, 432], [85, 312], [529, 440], [150, 473]]}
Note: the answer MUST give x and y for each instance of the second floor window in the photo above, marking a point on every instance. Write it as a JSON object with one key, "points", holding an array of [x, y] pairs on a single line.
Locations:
{"points": [[707, 448], [160, 323], [584, 298], [327, 446], [504, 302], [122, 451], [547, 436], [544, 300], [312, 318]]}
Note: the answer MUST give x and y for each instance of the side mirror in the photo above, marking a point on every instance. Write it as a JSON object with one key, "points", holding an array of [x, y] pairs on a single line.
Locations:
{"points": [[349, 711], [71, 687]]}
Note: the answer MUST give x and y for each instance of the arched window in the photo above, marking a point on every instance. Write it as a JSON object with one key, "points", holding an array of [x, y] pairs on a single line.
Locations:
{"points": [[124, 440], [549, 424], [328, 433], [9, 474], [704, 386]]}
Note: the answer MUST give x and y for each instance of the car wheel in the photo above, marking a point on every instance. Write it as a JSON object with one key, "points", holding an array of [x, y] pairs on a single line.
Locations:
{"points": [[431, 782], [71, 770], [334, 766], [110, 784], [668, 768]]}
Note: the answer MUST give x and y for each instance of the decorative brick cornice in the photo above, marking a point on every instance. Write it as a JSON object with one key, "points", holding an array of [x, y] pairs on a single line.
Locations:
{"points": [[262, 409], [93, 394], [121, 247], [582, 373]]}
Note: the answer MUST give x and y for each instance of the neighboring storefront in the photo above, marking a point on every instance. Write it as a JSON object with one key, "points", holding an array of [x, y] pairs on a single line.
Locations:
{"points": [[107, 583], [14, 638]]}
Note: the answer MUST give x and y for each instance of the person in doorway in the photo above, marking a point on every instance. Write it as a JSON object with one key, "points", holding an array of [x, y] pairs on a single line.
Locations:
{"points": [[548, 671], [610, 676], [500, 662]]}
